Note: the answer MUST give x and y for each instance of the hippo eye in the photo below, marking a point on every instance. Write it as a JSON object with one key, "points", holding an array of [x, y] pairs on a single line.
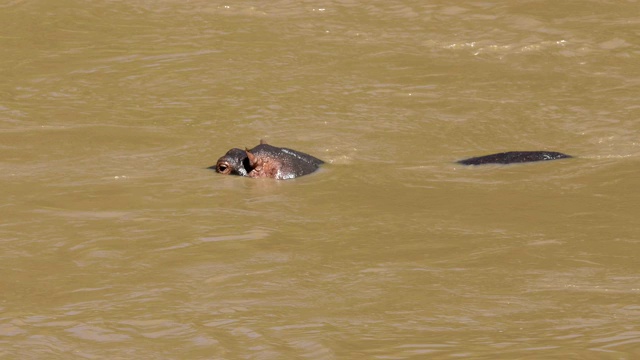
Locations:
{"points": [[222, 168]]}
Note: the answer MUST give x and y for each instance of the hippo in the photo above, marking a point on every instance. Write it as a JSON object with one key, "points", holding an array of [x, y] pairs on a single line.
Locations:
{"points": [[512, 157], [266, 161]]}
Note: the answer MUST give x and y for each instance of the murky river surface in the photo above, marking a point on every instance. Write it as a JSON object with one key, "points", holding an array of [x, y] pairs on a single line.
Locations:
{"points": [[118, 243]]}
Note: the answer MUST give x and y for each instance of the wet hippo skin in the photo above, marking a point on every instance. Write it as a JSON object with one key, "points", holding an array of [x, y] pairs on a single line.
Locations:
{"points": [[266, 161], [512, 157]]}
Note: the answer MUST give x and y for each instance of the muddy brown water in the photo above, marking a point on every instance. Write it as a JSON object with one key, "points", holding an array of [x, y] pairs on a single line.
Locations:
{"points": [[118, 243]]}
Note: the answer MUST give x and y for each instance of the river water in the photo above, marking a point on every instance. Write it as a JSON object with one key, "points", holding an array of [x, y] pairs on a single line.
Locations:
{"points": [[118, 243]]}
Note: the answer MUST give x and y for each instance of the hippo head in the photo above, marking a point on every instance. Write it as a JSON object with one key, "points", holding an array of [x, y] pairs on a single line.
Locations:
{"points": [[234, 162], [266, 161]]}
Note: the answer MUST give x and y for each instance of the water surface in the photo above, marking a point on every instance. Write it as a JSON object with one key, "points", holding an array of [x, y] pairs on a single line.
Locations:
{"points": [[117, 242]]}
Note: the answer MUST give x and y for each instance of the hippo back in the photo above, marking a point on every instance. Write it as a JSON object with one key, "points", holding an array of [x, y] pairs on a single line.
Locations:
{"points": [[512, 157], [293, 163]]}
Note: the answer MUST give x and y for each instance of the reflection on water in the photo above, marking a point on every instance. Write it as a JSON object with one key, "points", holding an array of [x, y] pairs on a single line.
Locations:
{"points": [[118, 242]]}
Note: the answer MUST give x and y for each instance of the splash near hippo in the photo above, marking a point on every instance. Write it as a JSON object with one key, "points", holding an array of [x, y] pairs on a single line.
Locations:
{"points": [[512, 157], [266, 161]]}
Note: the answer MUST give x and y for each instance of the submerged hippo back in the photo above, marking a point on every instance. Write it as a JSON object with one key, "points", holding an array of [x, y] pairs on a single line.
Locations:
{"points": [[512, 157]]}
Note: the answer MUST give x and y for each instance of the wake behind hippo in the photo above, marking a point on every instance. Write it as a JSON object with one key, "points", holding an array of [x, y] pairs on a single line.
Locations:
{"points": [[512, 157], [266, 161]]}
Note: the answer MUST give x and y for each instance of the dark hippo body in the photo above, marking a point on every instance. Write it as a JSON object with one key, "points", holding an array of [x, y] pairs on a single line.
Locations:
{"points": [[266, 161], [514, 157]]}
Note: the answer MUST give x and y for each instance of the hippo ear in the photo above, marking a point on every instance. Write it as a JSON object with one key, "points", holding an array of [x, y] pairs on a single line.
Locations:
{"points": [[263, 142], [253, 160]]}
